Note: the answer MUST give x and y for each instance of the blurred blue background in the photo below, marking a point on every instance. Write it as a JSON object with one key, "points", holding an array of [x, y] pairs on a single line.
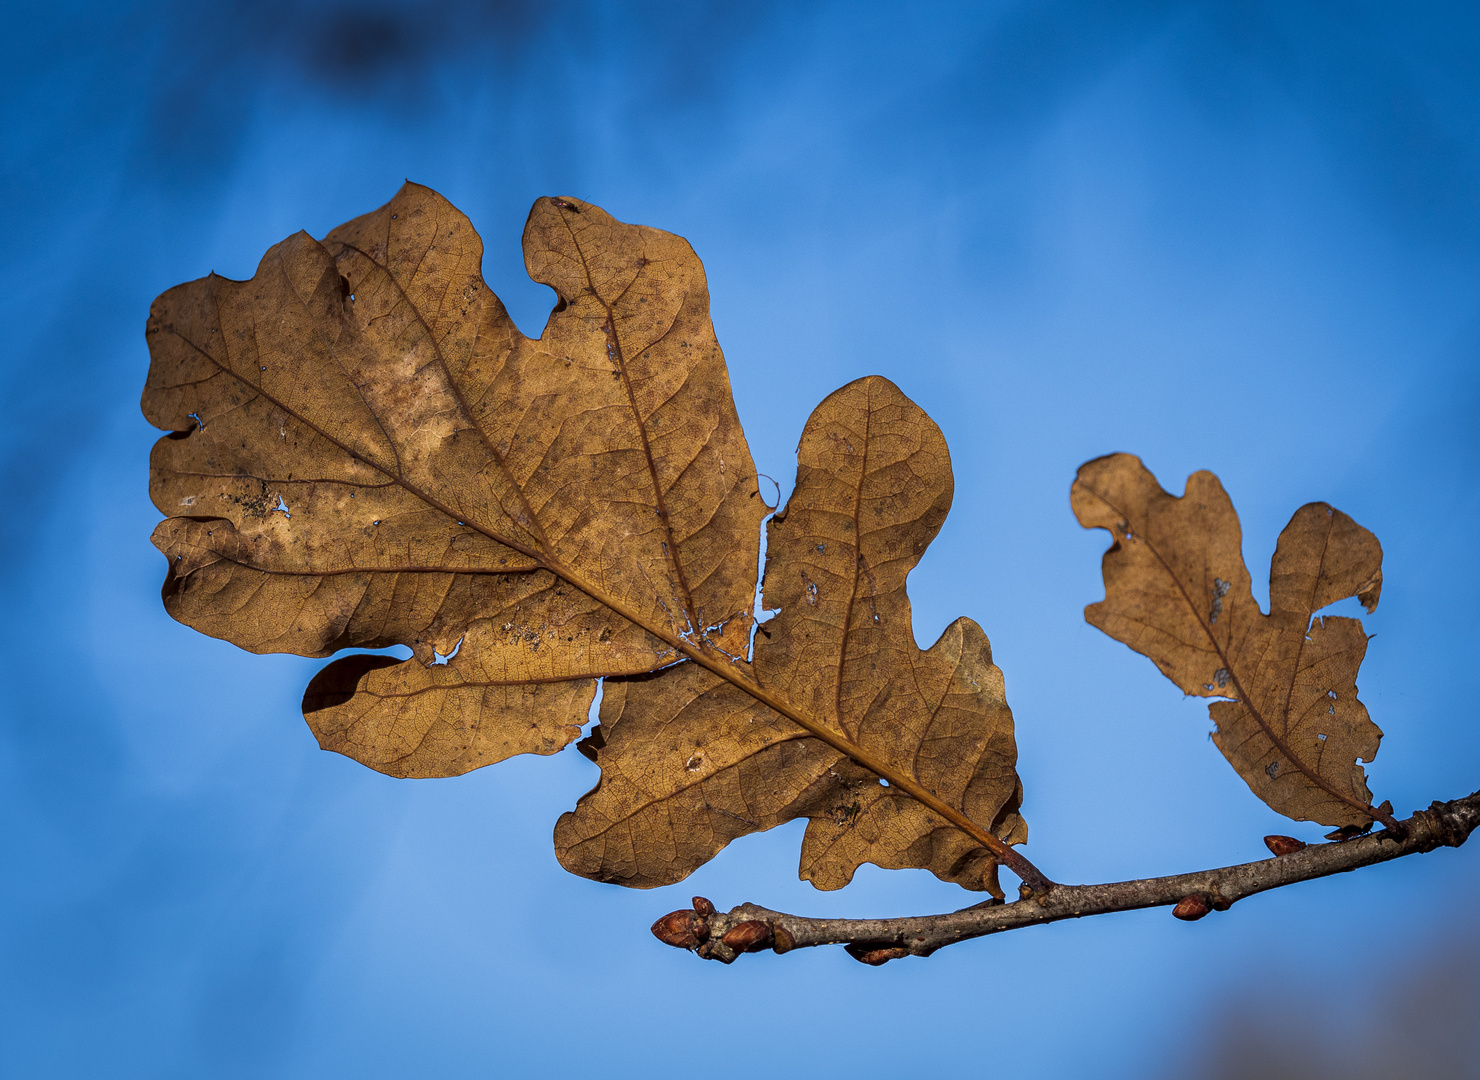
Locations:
{"points": [[1236, 236]]}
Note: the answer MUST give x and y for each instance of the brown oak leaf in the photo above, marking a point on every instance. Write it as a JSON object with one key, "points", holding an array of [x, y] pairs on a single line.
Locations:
{"points": [[364, 451], [689, 762], [368, 452], [1177, 591]]}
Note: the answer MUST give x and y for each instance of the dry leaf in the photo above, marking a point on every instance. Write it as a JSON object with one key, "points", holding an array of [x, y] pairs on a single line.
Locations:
{"points": [[1177, 591], [365, 451], [368, 452], [690, 762]]}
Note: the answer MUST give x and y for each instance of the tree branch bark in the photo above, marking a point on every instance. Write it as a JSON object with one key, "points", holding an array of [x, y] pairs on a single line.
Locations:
{"points": [[750, 928]]}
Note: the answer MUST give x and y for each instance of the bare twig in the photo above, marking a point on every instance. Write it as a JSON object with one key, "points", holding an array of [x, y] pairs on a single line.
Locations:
{"points": [[750, 928]]}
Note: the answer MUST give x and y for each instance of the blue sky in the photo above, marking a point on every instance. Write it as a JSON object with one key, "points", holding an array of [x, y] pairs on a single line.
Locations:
{"points": [[1235, 236]]}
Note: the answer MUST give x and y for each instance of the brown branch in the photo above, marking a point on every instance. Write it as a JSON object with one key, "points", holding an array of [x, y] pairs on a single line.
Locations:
{"points": [[750, 928]]}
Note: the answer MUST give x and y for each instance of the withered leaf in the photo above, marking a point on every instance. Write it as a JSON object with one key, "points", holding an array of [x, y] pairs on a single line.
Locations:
{"points": [[690, 762], [368, 452], [1177, 591], [365, 451]]}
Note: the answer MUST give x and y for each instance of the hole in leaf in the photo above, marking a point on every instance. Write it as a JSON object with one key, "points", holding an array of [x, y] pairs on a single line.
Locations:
{"points": [[338, 682]]}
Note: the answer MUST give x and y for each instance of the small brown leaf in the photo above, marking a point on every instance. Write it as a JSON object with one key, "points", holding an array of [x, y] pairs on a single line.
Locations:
{"points": [[1177, 591]]}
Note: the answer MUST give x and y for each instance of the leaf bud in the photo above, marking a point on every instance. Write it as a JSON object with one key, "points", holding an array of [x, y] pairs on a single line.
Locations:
{"points": [[749, 936], [1191, 908], [703, 906], [1283, 845], [717, 950], [682, 929], [874, 956], [784, 942]]}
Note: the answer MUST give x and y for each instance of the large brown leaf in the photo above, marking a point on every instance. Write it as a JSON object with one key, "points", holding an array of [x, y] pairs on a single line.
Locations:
{"points": [[365, 452], [690, 762], [1176, 590]]}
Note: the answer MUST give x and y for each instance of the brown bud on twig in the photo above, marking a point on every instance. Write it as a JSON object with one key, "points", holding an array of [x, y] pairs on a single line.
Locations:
{"points": [[681, 929], [873, 955], [1284, 845], [784, 942], [717, 950], [1385, 815], [1191, 908], [750, 936], [703, 906]]}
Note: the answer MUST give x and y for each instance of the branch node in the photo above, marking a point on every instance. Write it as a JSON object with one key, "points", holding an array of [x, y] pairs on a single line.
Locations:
{"points": [[1446, 827], [782, 941], [1039, 891]]}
